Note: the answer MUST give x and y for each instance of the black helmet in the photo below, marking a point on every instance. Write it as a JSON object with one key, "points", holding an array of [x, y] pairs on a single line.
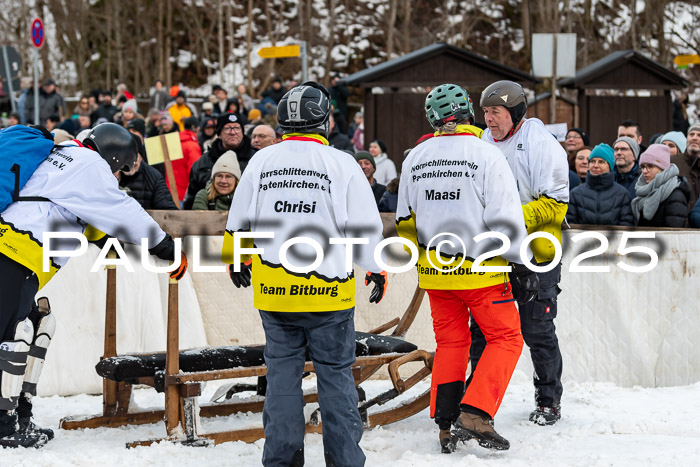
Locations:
{"points": [[115, 144], [305, 107], [508, 94]]}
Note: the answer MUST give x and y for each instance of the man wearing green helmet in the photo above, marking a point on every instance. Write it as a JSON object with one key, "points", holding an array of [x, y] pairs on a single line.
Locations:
{"points": [[456, 185], [540, 168]]}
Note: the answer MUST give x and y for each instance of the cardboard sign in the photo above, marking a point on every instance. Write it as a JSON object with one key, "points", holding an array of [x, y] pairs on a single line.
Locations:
{"points": [[154, 149]]}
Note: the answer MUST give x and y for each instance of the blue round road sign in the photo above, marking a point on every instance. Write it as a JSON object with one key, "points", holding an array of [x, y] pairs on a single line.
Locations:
{"points": [[37, 33]]}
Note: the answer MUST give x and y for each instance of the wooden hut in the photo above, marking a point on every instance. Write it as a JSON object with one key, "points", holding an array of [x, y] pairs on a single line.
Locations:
{"points": [[394, 91]]}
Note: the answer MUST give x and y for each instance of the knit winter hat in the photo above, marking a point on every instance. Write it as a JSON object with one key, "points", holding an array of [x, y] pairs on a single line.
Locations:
{"points": [[583, 134], [359, 155], [634, 146], [658, 155], [138, 125], [227, 162], [695, 127], [224, 119], [677, 138], [605, 152], [207, 106], [254, 114], [130, 104]]}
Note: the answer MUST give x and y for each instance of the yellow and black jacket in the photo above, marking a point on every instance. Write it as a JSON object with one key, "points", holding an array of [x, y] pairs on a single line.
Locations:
{"points": [[453, 188], [81, 190], [304, 188], [541, 171]]}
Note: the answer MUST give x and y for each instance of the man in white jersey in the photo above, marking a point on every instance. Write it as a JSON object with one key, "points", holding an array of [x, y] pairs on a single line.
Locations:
{"points": [[302, 187], [75, 186], [455, 187], [539, 165]]}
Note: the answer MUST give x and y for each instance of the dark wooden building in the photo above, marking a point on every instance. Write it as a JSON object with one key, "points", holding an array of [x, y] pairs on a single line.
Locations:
{"points": [[624, 85], [539, 107], [394, 91]]}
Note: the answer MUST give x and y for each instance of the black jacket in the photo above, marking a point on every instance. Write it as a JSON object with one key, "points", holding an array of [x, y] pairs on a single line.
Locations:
{"points": [[629, 179], [378, 191], [340, 141], [600, 201], [200, 173], [673, 211], [147, 186], [104, 112]]}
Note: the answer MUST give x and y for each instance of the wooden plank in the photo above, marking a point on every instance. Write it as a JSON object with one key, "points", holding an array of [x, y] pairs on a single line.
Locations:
{"points": [[109, 388], [181, 223], [243, 372], [385, 326], [172, 361], [401, 412], [217, 410], [410, 314], [111, 421]]}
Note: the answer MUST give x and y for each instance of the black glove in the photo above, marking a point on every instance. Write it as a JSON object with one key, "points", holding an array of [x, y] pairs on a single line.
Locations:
{"points": [[165, 250], [525, 283], [380, 283], [242, 278]]}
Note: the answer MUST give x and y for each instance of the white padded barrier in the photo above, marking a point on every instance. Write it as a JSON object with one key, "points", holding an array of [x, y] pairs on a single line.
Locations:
{"points": [[621, 327]]}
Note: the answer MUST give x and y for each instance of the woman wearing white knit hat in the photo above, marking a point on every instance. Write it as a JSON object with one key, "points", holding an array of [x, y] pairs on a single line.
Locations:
{"points": [[218, 193]]}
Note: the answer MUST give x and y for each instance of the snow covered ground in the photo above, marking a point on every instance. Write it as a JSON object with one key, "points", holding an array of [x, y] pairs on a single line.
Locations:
{"points": [[602, 425]]}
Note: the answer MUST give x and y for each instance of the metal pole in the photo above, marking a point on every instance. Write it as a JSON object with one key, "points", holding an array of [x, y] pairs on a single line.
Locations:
{"points": [[36, 87], [303, 62], [9, 78]]}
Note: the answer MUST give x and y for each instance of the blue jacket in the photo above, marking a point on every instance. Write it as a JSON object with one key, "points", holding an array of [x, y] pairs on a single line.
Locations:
{"points": [[629, 179]]}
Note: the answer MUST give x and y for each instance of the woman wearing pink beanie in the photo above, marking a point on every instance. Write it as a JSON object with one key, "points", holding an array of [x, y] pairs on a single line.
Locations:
{"points": [[662, 196]]}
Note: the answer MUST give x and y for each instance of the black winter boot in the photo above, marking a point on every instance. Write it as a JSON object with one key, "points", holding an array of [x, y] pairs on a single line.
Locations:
{"points": [[24, 417], [10, 437], [544, 415]]}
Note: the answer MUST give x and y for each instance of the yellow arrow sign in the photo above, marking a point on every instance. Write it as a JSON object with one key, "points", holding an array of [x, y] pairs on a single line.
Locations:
{"points": [[681, 60], [280, 51]]}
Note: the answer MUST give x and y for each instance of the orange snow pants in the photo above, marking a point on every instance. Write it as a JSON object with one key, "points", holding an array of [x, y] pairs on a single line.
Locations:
{"points": [[494, 310]]}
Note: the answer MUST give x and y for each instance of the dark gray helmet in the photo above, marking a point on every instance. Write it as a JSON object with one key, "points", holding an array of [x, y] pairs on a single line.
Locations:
{"points": [[115, 144], [510, 95], [305, 108], [447, 103]]}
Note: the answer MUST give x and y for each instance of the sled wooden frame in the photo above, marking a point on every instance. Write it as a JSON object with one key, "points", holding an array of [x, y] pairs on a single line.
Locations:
{"points": [[182, 388]]}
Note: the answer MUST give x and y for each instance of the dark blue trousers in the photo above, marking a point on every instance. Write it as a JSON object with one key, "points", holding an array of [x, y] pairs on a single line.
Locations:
{"points": [[539, 333], [331, 340]]}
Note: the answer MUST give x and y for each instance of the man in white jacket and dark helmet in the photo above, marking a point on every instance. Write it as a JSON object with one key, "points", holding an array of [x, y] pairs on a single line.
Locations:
{"points": [[455, 187], [539, 165], [302, 187], [73, 190]]}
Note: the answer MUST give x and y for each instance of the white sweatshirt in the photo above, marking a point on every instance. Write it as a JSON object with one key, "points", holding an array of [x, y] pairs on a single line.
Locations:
{"points": [[459, 185], [304, 188], [81, 190]]}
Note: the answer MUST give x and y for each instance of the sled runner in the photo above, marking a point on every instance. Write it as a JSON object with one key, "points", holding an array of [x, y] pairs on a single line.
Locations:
{"points": [[180, 374]]}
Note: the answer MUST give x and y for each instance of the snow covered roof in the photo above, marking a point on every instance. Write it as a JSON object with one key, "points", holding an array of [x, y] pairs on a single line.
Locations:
{"points": [[625, 69], [436, 64]]}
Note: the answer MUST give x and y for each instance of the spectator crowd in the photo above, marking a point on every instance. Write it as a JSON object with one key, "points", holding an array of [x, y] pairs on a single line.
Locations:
{"points": [[620, 182]]}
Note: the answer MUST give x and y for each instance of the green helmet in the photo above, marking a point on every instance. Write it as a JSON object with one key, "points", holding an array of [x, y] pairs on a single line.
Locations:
{"points": [[447, 103]]}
